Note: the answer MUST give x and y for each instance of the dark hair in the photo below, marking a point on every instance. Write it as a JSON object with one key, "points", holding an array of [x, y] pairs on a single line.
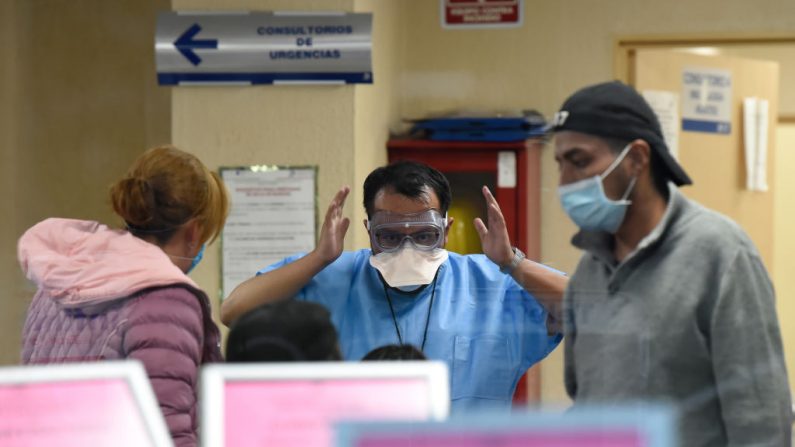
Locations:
{"points": [[286, 331], [395, 352], [408, 178], [659, 174]]}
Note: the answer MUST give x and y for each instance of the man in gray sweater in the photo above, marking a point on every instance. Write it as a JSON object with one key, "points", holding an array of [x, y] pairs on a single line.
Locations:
{"points": [[670, 301]]}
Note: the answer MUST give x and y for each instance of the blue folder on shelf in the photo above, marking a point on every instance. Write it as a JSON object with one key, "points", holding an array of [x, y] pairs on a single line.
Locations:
{"points": [[480, 129]]}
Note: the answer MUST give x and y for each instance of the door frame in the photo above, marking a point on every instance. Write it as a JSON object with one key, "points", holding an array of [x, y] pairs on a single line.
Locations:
{"points": [[625, 48]]}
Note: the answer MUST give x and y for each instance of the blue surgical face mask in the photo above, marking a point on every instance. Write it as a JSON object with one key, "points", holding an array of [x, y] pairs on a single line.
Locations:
{"points": [[196, 259], [587, 205]]}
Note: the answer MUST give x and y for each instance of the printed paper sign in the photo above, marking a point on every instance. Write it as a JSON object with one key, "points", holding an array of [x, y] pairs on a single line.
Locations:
{"points": [[272, 216], [666, 107], [706, 100]]}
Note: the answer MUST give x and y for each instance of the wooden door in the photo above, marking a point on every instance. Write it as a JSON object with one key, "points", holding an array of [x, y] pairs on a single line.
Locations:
{"points": [[714, 157]]}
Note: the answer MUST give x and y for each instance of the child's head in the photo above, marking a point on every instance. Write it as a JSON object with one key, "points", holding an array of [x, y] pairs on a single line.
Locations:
{"points": [[287, 331], [395, 352]]}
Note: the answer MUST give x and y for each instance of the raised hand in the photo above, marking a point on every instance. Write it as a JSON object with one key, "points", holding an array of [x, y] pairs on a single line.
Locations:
{"points": [[332, 234], [494, 238]]}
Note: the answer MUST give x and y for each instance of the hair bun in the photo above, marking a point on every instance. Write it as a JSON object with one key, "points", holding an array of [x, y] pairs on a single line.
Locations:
{"points": [[163, 190], [134, 201]]}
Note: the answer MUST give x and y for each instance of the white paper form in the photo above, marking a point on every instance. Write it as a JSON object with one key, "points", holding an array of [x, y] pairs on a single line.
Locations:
{"points": [[750, 141], [506, 169], [763, 118], [755, 129], [666, 107], [272, 216]]}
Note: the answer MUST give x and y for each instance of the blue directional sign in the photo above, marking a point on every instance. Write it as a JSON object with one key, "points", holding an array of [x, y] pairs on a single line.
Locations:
{"points": [[186, 44], [263, 48]]}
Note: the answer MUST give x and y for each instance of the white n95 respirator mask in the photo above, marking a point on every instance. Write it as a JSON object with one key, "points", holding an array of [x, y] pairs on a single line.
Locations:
{"points": [[409, 266]]}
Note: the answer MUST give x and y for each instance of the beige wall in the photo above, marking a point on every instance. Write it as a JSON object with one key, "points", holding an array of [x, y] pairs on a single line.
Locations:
{"points": [[784, 236], [80, 102], [11, 307], [720, 180]]}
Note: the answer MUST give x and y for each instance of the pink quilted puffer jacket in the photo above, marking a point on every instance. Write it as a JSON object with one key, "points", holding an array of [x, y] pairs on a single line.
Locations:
{"points": [[104, 294]]}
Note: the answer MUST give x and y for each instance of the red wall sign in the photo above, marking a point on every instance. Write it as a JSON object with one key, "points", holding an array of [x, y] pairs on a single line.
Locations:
{"points": [[481, 13]]}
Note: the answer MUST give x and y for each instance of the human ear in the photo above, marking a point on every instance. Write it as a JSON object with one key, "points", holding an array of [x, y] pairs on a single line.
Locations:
{"points": [[639, 156], [192, 234]]}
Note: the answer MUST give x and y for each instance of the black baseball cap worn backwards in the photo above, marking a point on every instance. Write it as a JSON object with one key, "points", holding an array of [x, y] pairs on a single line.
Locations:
{"points": [[616, 110]]}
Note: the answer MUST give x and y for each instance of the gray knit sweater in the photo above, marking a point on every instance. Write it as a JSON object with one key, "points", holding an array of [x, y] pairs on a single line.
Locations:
{"points": [[689, 318]]}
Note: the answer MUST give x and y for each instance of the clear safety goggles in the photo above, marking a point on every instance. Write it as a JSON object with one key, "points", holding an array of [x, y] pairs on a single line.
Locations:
{"points": [[425, 230]]}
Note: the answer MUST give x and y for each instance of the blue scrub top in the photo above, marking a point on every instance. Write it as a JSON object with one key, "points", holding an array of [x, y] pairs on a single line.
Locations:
{"points": [[483, 324]]}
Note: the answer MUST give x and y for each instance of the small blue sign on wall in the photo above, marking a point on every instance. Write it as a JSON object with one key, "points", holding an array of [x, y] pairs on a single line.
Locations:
{"points": [[706, 100], [249, 48]]}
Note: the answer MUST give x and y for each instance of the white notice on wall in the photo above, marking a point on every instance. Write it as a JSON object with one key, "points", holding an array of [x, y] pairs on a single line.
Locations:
{"points": [[506, 169], [706, 100], [763, 123], [755, 129], [272, 216], [750, 140], [666, 106]]}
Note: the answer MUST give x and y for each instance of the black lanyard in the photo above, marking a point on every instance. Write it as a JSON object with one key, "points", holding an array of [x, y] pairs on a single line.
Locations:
{"points": [[427, 319]]}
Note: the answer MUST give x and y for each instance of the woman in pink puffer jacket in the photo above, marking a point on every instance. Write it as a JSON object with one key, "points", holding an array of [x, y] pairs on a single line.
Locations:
{"points": [[106, 294]]}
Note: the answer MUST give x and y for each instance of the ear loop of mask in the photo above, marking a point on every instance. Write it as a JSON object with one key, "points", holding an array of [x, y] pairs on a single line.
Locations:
{"points": [[133, 229], [613, 166], [189, 258], [616, 162]]}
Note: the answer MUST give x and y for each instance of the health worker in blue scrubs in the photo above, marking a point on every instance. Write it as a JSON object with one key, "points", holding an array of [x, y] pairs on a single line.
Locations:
{"points": [[489, 317]]}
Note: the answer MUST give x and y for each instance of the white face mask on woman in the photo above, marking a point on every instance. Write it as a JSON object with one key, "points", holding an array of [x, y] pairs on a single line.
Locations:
{"points": [[408, 266]]}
